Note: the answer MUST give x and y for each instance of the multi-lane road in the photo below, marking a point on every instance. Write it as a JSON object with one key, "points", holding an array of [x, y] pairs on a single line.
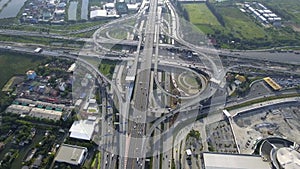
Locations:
{"points": [[130, 145]]}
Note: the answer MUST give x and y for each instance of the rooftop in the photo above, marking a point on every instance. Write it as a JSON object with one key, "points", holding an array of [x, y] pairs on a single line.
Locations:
{"points": [[233, 161], [71, 154], [44, 113], [82, 129], [288, 158]]}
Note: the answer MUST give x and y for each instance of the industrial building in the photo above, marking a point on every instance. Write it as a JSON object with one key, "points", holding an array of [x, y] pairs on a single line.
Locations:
{"points": [[71, 154], [262, 13]]}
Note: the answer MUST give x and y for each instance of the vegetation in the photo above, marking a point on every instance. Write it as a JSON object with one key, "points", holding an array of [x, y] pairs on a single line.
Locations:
{"points": [[288, 9], [118, 33], [13, 64], [107, 67], [40, 40], [262, 100], [15, 132], [195, 134], [96, 163], [199, 14], [49, 28], [238, 30]]}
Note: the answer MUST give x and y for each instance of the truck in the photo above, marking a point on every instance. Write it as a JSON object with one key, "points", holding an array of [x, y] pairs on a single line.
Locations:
{"points": [[38, 50]]}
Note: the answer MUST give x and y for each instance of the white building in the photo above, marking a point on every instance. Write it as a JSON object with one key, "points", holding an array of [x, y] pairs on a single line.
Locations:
{"points": [[82, 129], [233, 161], [71, 154]]}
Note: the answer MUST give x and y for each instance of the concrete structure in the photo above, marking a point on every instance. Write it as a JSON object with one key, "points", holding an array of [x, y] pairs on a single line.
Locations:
{"points": [[82, 129], [71, 154], [233, 161]]}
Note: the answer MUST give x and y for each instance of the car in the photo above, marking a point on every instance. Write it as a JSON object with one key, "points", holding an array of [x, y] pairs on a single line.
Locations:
{"points": [[189, 161]]}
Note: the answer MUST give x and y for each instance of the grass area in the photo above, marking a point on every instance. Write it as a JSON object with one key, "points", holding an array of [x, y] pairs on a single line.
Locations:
{"points": [[40, 40], [118, 34], [240, 25], [191, 80], [7, 87], [10, 85], [87, 34], [95, 161], [107, 67], [200, 14], [262, 100], [63, 28], [237, 24], [288, 9], [242, 31], [12, 64]]}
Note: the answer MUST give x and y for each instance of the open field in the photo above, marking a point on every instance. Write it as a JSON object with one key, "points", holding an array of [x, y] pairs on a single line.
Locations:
{"points": [[287, 9], [12, 64], [201, 17], [240, 25], [9, 86], [118, 33], [200, 14], [240, 30]]}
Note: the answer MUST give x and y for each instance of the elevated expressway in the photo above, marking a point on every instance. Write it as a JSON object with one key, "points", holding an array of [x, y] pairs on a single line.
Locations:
{"points": [[142, 83]]}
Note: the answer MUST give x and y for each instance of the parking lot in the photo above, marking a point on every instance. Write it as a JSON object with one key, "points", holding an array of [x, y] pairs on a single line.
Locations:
{"points": [[220, 137]]}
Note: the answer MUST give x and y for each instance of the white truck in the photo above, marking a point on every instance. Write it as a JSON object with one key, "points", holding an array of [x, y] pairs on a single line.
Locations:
{"points": [[38, 50]]}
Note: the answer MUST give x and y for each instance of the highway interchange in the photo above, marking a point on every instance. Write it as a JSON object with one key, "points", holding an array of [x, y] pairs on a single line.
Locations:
{"points": [[141, 134]]}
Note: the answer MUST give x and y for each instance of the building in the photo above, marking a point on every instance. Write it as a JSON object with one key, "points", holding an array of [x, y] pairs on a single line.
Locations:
{"points": [[45, 114], [82, 129], [71, 154], [72, 68], [241, 78], [98, 14], [188, 152], [272, 83], [133, 7], [279, 152], [287, 158], [233, 161], [31, 75], [18, 109]]}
